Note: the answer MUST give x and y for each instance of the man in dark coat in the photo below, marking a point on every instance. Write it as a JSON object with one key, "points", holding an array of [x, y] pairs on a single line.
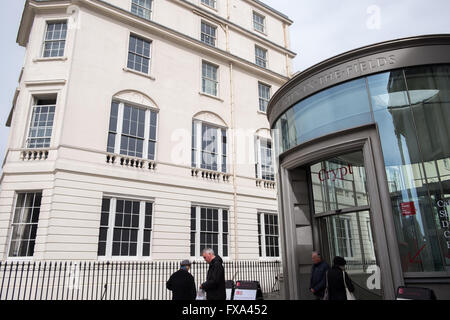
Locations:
{"points": [[215, 279], [319, 269], [336, 286], [182, 283]]}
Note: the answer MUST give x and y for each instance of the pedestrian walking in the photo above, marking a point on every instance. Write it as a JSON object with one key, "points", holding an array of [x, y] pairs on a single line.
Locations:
{"points": [[182, 283], [214, 286], [337, 286], [318, 271]]}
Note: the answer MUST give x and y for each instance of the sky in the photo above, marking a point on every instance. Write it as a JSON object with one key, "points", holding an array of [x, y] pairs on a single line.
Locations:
{"points": [[321, 29]]}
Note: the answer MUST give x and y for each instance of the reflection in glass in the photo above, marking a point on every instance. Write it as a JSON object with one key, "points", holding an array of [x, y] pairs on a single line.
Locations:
{"points": [[339, 183], [414, 138], [341, 107], [350, 236]]}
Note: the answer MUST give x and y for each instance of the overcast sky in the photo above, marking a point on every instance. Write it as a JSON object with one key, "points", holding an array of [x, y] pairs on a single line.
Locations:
{"points": [[321, 29]]}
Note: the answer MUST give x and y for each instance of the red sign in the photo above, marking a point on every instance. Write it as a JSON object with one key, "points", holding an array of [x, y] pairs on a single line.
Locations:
{"points": [[408, 209]]}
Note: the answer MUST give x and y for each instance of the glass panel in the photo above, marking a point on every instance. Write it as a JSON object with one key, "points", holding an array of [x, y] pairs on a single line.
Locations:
{"points": [[338, 108], [415, 144], [209, 147], [349, 236], [24, 226], [339, 183]]}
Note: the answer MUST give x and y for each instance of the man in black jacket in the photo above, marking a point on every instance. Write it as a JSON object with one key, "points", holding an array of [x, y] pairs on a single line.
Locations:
{"points": [[182, 283], [318, 276], [215, 279]]}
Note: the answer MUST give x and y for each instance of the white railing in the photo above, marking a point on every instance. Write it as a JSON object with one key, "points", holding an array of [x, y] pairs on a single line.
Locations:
{"points": [[130, 162], [210, 175], [34, 154], [267, 184]]}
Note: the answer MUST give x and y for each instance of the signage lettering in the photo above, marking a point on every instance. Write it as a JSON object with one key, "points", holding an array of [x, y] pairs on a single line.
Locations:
{"points": [[444, 219], [335, 174], [408, 209]]}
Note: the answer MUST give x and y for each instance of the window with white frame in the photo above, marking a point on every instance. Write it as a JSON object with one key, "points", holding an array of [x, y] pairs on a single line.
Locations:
{"points": [[142, 8], [125, 228], [261, 57], [264, 96], [209, 146], [268, 235], [208, 34], [25, 224], [55, 39], [132, 130], [264, 165], [259, 22], [209, 229], [139, 54], [343, 239], [41, 124], [209, 3], [210, 83]]}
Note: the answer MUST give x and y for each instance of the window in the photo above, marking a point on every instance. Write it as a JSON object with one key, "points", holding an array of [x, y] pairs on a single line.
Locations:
{"points": [[209, 3], [142, 8], [343, 237], [258, 22], [209, 79], [125, 228], [55, 39], [261, 57], [208, 34], [209, 229], [268, 235], [264, 166], [25, 224], [41, 125], [209, 147], [132, 131], [139, 54], [264, 96]]}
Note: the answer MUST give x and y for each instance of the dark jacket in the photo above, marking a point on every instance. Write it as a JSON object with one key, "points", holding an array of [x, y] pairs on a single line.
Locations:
{"points": [[336, 288], [318, 282], [182, 285], [215, 281]]}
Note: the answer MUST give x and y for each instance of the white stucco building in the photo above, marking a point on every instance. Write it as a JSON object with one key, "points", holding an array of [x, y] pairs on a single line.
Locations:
{"points": [[138, 131]]}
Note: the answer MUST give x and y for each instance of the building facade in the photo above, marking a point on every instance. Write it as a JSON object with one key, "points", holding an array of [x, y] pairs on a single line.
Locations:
{"points": [[139, 131], [362, 143]]}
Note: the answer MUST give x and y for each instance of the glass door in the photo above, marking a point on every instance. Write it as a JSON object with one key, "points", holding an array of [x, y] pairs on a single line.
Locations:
{"points": [[342, 213]]}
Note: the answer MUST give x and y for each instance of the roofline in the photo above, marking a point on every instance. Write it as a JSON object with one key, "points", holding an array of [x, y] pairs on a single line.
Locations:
{"points": [[307, 82], [282, 15]]}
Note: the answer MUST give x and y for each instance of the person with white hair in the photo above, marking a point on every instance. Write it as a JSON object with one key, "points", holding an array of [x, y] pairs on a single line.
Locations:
{"points": [[318, 276], [214, 286]]}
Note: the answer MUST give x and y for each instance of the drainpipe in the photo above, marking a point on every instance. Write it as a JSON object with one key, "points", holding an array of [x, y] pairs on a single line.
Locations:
{"points": [[233, 126]]}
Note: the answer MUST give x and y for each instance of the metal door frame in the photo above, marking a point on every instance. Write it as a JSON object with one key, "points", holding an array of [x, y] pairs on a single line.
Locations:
{"points": [[365, 138]]}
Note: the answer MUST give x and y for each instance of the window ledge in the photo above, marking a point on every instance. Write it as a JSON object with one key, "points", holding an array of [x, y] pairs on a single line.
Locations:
{"points": [[50, 59], [260, 32], [139, 73], [262, 112], [209, 7], [210, 96]]}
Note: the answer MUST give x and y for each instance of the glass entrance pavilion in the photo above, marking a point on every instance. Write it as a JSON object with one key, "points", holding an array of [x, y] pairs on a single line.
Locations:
{"points": [[362, 144]]}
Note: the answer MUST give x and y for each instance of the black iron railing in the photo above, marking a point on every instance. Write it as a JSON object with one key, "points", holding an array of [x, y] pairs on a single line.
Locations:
{"points": [[111, 280]]}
